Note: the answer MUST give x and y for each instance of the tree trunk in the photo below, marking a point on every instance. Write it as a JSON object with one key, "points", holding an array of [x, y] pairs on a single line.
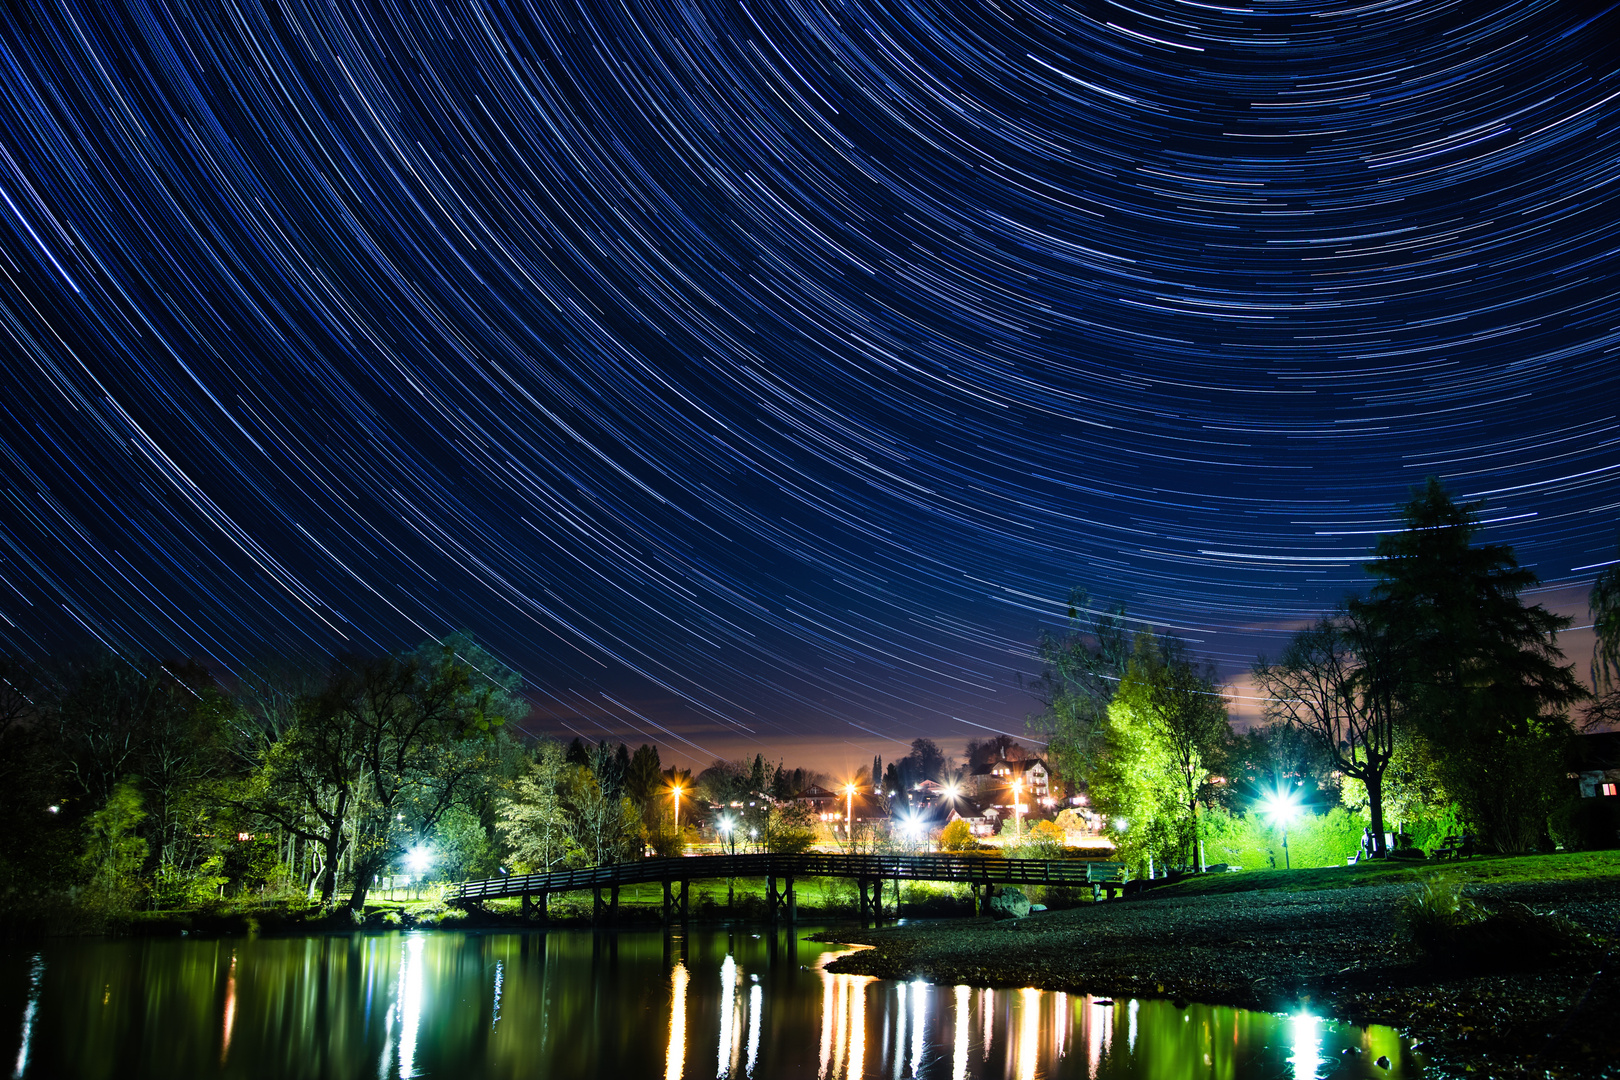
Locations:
{"points": [[1375, 807], [331, 848]]}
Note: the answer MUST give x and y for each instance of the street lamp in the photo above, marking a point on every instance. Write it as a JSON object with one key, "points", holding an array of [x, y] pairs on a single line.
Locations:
{"points": [[675, 789], [726, 827], [1018, 807], [1281, 807], [849, 813]]}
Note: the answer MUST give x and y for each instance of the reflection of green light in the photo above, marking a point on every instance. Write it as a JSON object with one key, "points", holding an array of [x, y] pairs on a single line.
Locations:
{"points": [[1307, 1045]]}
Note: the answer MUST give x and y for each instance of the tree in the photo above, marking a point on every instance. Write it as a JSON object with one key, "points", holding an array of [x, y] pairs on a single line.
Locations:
{"points": [[1081, 670], [608, 828], [1477, 669], [381, 751], [1337, 682], [925, 762], [789, 829], [531, 818], [1166, 719], [1605, 607], [113, 851], [956, 836], [644, 777]]}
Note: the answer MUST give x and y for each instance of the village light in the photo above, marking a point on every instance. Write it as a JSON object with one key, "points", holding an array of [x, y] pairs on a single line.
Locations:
{"points": [[726, 825], [675, 790], [1018, 807]]}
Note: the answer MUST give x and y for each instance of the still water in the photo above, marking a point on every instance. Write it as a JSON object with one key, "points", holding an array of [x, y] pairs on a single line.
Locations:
{"points": [[731, 1004]]}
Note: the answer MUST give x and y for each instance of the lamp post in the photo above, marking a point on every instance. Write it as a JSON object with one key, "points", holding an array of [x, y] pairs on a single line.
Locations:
{"points": [[675, 789], [1282, 807], [1018, 808], [849, 814]]}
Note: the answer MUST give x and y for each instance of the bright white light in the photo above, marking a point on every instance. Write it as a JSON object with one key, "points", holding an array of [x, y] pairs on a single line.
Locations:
{"points": [[1307, 1039], [726, 825], [1281, 807], [419, 859]]}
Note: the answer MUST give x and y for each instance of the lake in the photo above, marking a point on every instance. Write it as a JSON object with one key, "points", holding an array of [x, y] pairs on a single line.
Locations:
{"points": [[712, 1003]]}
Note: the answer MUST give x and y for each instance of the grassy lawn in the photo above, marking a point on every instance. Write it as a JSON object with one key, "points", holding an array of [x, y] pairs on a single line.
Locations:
{"points": [[1562, 866]]}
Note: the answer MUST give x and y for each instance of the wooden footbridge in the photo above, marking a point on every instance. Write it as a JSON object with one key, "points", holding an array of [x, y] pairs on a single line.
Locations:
{"points": [[870, 872]]}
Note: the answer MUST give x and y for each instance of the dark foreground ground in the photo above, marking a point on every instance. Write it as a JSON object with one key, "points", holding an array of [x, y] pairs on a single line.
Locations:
{"points": [[1334, 951]]}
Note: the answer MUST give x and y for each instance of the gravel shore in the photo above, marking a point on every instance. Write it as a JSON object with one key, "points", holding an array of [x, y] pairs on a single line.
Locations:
{"points": [[1333, 951]]}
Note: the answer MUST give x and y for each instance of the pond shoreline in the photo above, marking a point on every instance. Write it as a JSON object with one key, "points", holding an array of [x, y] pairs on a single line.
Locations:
{"points": [[1333, 952]]}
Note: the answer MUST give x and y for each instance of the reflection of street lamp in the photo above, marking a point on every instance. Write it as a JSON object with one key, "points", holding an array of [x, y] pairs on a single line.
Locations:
{"points": [[1281, 808]]}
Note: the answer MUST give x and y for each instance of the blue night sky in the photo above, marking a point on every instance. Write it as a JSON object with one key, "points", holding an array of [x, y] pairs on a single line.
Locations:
{"points": [[762, 375]]}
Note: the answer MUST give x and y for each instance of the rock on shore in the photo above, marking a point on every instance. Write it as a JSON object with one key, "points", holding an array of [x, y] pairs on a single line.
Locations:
{"points": [[1333, 951]]}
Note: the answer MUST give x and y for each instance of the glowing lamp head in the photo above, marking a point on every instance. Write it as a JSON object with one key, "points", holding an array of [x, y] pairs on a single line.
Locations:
{"points": [[1281, 807], [419, 859]]}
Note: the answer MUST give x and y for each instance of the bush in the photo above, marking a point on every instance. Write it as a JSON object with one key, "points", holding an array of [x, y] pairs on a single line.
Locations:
{"points": [[1247, 840], [956, 837], [1451, 929]]}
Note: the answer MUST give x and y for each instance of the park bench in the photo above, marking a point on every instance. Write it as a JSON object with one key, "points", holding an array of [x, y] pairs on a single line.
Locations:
{"points": [[1106, 877], [1454, 847]]}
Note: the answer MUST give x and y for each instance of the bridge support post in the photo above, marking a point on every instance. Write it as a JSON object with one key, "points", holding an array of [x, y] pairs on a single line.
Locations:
{"points": [[871, 890], [532, 905], [783, 903], [674, 902], [613, 909]]}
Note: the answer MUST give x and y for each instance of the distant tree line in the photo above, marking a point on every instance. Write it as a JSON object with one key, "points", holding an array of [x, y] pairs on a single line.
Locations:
{"points": [[129, 783], [1439, 694]]}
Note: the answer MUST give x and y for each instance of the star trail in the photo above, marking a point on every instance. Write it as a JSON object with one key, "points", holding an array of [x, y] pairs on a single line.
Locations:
{"points": [[753, 375]]}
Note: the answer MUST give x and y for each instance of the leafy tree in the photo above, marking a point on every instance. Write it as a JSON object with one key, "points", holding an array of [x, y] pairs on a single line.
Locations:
{"points": [[789, 829], [1478, 669], [608, 828], [1186, 713], [531, 818], [1165, 720], [985, 751], [384, 749], [1338, 683], [113, 850], [1605, 606], [1081, 670]]}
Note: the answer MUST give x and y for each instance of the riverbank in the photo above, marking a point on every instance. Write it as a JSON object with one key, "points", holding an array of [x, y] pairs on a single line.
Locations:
{"points": [[1332, 951]]}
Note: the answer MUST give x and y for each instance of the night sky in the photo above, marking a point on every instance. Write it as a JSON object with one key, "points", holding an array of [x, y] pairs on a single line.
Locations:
{"points": [[761, 376]]}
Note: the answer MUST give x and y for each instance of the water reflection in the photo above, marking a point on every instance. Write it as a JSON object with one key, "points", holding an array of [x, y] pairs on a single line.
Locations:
{"points": [[715, 1004]]}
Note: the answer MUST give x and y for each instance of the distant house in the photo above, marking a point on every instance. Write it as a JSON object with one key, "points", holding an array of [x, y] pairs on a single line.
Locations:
{"points": [[1594, 766], [978, 820], [993, 781]]}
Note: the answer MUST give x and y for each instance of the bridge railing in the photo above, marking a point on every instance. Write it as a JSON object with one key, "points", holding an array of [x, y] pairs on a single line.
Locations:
{"points": [[967, 869]]}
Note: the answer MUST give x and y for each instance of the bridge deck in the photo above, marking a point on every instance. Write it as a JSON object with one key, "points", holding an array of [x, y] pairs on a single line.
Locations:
{"points": [[966, 869]]}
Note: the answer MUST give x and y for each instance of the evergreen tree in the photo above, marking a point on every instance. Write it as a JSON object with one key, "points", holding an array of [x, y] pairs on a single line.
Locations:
{"points": [[1478, 669]]}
